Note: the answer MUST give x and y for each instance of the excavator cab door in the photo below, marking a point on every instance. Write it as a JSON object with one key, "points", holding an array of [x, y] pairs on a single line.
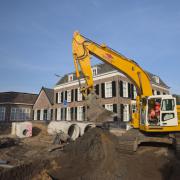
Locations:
{"points": [[168, 112], [161, 111]]}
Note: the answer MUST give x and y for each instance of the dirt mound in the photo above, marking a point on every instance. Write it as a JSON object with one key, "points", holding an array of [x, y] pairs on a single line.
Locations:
{"points": [[94, 156], [7, 142]]}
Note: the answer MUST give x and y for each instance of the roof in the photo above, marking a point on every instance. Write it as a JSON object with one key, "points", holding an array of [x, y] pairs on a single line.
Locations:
{"points": [[104, 68], [49, 93], [17, 97]]}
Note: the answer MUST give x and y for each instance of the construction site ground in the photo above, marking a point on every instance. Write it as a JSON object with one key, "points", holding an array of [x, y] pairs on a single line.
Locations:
{"points": [[93, 156]]}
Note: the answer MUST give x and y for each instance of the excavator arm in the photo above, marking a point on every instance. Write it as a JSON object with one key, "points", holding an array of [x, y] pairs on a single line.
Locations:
{"points": [[83, 48]]}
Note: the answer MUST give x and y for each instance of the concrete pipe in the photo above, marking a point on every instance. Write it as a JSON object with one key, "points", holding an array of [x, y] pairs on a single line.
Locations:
{"points": [[84, 127], [58, 126], [74, 131], [67, 127], [22, 129]]}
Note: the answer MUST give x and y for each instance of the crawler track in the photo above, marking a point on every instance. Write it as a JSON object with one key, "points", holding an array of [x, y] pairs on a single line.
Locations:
{"points": [[128, 142], [177, 145]]}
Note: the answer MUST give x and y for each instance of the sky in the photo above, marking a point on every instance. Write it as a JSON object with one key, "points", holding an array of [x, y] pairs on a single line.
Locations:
{"points": [[36, 38]]}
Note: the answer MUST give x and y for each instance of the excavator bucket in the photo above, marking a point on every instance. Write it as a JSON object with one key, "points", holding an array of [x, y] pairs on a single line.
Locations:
{"points": [[96, 113]]}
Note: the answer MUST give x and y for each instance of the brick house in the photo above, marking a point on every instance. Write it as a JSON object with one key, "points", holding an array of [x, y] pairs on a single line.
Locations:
{"points": [[43, 106], [116, 93], [16, 106]]}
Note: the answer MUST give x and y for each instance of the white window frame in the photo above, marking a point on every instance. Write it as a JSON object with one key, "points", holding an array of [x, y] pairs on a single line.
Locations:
{"points": [[126, 112], [59, 97], [155, 92], [80, 113], [41, 114], [68, 114], [35, 114], [58, 114], [109, 107], [70, 77], [79, 95], [2, 113], [125, 89], [68, 95], [108, 89], [94, 71]]}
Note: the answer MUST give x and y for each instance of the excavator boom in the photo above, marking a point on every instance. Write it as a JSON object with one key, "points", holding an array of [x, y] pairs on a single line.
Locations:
{"points": [[83, 48]]}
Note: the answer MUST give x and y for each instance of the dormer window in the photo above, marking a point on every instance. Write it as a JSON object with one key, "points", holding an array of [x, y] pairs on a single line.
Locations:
{"points": [[70, 77], [156, 79], [94, 71]]}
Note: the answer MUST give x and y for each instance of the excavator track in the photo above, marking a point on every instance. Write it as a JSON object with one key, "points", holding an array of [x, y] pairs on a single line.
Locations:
{"points": [[177, 145], [128, 142]]}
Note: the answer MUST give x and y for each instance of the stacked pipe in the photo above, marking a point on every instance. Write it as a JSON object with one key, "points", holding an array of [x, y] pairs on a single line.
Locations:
{"points": [[72, 129]]}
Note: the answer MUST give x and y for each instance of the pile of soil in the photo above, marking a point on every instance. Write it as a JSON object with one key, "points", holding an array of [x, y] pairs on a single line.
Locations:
{"points": [[96, 156], [7, 142]]}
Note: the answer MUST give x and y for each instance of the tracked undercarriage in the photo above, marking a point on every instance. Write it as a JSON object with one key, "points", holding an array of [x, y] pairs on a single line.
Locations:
{"points": [[131, 139]]}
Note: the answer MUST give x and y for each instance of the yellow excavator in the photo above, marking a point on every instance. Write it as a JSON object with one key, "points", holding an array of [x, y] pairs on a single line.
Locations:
{"points": [[157, 118]]}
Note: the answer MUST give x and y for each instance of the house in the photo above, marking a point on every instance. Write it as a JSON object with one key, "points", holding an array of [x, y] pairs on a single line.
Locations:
{"points": [[116, 93], [16, 106], [43, 106]]}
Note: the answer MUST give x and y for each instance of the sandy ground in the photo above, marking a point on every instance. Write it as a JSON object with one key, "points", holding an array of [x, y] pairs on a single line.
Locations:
{"points": [[93, 156]]}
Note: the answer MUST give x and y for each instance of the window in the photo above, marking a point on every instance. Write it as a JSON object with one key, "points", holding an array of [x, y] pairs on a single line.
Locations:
{"points": [[134, 92], [125, 89], [109, 107], [68, 114], [126, 113], [20, 114], [38, 114], [94, 71], [2, 113], [168, 105], [80, 114], [45, 113], [68, 95], [133, 106], [108, 89], [70, 77], [156, 79], [79, 95]]}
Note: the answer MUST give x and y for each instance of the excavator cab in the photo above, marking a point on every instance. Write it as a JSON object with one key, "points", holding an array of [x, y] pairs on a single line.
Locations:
{"points": [[158, 112]]}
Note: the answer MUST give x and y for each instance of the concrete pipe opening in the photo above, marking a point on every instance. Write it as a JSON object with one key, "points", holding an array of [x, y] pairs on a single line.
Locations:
{"points": [[88, 127], [74, 131]]}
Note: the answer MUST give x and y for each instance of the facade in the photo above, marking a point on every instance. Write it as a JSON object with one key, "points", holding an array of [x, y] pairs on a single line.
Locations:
{"points": [[16, 106], [43, 106], [116, 93]]}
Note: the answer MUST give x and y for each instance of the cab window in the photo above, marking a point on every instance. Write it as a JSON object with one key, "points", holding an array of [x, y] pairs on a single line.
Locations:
{"points": [[168, 105]]}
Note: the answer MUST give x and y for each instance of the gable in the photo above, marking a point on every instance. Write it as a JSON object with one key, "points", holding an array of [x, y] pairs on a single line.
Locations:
{"points": [[42, 101]]}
